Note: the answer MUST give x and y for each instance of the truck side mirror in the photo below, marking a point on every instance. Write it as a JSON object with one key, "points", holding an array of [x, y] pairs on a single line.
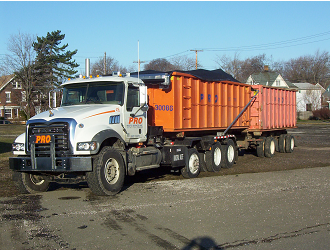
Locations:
{"points": [[145, 107]]}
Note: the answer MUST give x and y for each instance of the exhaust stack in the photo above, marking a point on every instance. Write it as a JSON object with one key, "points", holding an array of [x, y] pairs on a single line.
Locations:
{"points": [[87, 67]]}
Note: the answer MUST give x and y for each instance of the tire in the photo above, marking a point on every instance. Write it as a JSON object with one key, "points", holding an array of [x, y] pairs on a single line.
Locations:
{"points": [[27, 183], [261, 147], [202, 158], [214, 158], [270, 147], [107, 177], [289, 143], [276, 144], [281, 143], [229, 150], [193, 166]]}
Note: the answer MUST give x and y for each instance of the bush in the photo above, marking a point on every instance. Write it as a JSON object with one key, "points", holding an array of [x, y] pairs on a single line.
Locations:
{"points": [[22, 115], [321, 114]]}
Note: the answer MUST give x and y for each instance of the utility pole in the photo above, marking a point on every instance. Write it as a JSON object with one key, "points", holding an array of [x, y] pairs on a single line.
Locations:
{"points": [[196, 50], [139, 63], [105, 64]]}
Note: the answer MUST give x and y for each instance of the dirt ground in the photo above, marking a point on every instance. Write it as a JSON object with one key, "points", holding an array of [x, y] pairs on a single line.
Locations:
{"points": [[313, 150]]}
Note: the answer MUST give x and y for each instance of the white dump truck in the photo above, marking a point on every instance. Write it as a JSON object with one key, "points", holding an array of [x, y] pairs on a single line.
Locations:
{"points": [[109, 127]]}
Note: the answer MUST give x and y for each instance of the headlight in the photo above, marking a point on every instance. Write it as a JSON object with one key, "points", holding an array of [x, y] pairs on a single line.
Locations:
{"points": [[18, 146], [86, 146]]}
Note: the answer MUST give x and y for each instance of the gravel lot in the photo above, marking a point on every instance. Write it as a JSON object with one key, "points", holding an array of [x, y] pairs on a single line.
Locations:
{"points": [[313, 148]]}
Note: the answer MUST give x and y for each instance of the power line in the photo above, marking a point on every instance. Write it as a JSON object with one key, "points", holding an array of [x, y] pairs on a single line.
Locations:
{"points": [[275, 45]]}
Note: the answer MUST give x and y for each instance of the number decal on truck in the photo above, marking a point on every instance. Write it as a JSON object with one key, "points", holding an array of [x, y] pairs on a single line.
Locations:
{"points": [[164, 107]]}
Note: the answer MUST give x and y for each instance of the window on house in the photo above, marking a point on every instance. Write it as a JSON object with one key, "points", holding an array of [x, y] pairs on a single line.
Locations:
{"points": [[17, 85], [277, 82], [308, 107], [8, 113], [8, 96]]}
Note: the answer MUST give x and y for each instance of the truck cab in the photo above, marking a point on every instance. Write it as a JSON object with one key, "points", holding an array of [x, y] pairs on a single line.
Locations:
{"points": [[95, 114]]}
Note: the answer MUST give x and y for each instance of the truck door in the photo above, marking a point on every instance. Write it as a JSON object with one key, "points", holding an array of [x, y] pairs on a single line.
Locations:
{"points": [[135, 117]]}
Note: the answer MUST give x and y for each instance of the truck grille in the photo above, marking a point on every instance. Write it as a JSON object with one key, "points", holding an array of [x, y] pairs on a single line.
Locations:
{"points": [[61, 135]]}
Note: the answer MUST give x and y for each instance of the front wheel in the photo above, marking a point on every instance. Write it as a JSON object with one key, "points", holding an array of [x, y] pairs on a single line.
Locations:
{"points": [[27, 183], [107, 177], [193, 166]]}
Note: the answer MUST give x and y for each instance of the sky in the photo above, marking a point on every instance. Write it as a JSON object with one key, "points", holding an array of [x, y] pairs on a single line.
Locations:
{"points": [[281, 30]]}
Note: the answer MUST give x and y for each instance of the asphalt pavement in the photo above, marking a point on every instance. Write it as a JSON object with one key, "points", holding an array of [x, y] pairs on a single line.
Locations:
{"points": [[271, 210]]}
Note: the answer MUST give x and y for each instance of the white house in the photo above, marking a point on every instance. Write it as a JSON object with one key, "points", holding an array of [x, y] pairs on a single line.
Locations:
{"points": [[268, 78], [309, 96]]}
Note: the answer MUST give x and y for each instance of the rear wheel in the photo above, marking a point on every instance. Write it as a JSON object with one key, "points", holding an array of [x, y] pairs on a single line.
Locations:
{"points": [[107, 177], [29, 183], [289, 143], [214, 158], [281, 143], [229, 154], [261, 147], [269, 147], [202, 162], [193, 167]]}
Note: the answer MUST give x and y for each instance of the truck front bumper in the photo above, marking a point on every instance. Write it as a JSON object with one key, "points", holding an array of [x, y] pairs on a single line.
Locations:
{"points": [[49, 164]]}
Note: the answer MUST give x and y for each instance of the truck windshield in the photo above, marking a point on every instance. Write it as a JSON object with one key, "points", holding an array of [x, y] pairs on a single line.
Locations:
{"points": [[95, 93]]}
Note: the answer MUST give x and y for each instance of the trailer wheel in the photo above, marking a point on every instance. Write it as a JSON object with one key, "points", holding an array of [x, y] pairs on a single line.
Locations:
{"points": [[107, 177], [229, 154], [269, 147], [214, 158], [193, 166], [276, 144], [289, 143], [29, 183], [261, 147], [281, 143], [202, 161]]}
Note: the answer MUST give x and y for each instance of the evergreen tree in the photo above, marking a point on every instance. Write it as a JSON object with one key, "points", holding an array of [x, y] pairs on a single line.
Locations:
{"points": [[53, 63]]}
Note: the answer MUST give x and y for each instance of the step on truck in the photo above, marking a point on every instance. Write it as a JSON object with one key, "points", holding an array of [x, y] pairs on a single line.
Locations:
{"points": [[110, 127]]}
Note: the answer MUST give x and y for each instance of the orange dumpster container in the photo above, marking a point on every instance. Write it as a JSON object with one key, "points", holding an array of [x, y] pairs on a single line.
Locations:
{"points": [[192, 104], [273, 108]]}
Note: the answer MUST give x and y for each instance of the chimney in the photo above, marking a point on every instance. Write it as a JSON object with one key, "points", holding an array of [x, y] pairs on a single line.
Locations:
{"points": [[266, 68]]}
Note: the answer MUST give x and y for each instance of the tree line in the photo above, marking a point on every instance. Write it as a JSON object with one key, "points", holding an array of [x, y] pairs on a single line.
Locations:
{"points": [[313, 68], [41, 64]]}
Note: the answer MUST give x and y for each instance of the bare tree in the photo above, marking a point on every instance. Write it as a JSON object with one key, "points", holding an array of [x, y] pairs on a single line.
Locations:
{"points": [[184, 63], [159, 64], [310, 68], [242, 69], [20, 61], [111, 65]]}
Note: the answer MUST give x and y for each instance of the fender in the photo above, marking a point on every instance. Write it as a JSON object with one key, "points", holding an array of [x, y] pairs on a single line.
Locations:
{"points": [[101, 136]]}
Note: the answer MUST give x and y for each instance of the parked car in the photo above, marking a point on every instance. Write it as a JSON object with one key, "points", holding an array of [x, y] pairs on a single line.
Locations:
{"points": [[4, 122]]}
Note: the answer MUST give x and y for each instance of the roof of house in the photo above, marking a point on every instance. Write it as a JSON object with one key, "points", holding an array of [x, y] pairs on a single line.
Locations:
{"points": [[308, 86], [4, 80], [267, 78]]}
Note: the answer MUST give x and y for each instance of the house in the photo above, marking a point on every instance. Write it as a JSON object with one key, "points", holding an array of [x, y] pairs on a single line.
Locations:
{"points": [[11, 97], [269, 78], [326, 98], [309, 96]]}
